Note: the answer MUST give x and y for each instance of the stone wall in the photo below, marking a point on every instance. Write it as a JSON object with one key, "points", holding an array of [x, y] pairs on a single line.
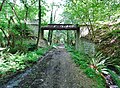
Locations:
{"points": [[87, 47]]}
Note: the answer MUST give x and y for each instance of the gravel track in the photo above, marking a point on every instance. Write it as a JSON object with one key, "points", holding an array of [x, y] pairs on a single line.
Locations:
{"points": [[54, 70]]}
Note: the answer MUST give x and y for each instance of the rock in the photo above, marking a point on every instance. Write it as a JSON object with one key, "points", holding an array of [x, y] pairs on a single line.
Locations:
{"points": [[43, 43]]}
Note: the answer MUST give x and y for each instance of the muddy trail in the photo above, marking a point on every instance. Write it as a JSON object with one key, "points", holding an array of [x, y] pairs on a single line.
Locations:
{"points": [[55, 70]]}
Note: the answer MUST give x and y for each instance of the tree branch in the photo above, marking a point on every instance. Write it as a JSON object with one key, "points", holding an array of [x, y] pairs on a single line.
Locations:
{"points": [[12, 7], [2, 5]]}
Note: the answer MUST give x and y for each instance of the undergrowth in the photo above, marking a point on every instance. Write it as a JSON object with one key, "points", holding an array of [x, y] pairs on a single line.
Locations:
{"points": [[82, 60], [115, 77], [11, 63]]}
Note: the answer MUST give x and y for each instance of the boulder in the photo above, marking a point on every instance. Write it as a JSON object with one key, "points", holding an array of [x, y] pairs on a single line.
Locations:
{"points": [[42, 43]]}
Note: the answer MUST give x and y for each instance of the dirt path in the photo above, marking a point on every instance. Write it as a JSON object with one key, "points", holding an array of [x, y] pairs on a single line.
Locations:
{"points": [[54, 70]]}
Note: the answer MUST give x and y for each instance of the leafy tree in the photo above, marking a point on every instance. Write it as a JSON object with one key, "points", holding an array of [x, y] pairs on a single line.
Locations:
{"points": [[89, 12], [52, 19], [14, 18]]}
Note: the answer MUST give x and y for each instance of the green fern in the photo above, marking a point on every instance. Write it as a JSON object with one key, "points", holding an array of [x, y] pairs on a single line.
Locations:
{"points": [[118, 68], [115, 77]]}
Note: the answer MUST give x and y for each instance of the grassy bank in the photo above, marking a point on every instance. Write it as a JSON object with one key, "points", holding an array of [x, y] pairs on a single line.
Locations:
{"points": [[83, 61]]}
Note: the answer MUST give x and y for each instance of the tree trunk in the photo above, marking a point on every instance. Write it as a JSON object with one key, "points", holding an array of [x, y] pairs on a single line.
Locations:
{"points": [[39, 30], [26, 15], [5, 37], [51, 34], [50, 31], [91, 27], [12, 7], [77, 39], [9, 22], [68, 40]]}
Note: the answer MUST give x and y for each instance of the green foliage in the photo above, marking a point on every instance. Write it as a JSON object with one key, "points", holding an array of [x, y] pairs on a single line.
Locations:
{"points": [[89, 10], [14, 18], [118, 68], [99, 63], [32, 57], [83, 61], [40, 51], [15, 62], [19, 46], [80, 59], [114, 33], [115, 77], [110, 46], [11, 62], [90, 72], [1, 35], [95, 66], [97, 77]]}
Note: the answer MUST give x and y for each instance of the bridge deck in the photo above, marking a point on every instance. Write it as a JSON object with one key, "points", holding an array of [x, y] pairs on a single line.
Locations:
{"points": [[60, 27]]}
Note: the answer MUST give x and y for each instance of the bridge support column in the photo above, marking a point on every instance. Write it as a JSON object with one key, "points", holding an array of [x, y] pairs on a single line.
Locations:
{"points": [[42, 34], [77, 39]]}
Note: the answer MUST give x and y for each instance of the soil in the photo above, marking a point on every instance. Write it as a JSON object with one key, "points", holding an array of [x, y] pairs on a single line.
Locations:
{"points": [[55, 70]]}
